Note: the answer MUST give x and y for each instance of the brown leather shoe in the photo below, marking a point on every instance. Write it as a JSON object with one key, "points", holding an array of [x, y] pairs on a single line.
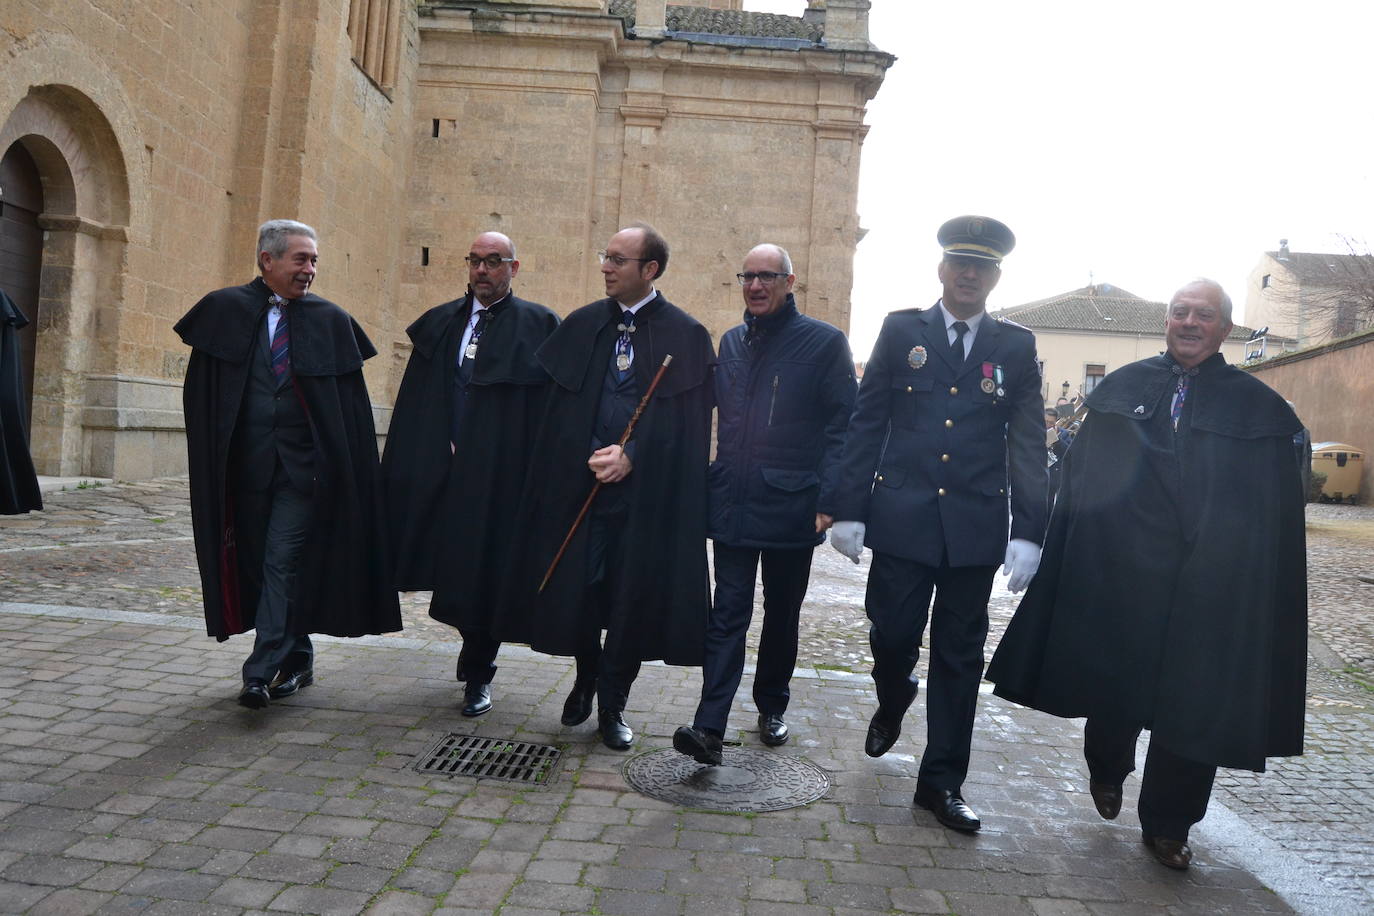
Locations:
{"points": [[1169, 853], [1106, 797]]}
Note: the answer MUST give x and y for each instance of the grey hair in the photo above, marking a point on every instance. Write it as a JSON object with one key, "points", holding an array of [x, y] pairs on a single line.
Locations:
{"points": [[272, 237], [1222, 299], [780, 251]]}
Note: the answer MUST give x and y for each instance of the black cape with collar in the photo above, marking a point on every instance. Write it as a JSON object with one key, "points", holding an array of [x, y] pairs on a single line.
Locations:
{"points": [[661, 606], [1173, 587], [343, 584], [18, 483], [451, 514]]}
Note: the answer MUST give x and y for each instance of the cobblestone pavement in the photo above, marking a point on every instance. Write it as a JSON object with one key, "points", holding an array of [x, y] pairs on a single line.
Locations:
{"points": [[132, 780]]}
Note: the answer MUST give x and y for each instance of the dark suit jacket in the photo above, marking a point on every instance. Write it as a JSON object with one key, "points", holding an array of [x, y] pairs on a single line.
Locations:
{"points": [[933, 458]]}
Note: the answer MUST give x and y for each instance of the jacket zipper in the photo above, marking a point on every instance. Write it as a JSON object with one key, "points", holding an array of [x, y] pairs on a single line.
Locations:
{"points": [[773, 401]]}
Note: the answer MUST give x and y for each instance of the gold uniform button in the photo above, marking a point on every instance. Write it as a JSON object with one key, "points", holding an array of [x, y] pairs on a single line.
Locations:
{"points": [[949, 424], [880, 478], [908, 389], [941, 491], [953, 390], [1002, 492], [944, 457]]}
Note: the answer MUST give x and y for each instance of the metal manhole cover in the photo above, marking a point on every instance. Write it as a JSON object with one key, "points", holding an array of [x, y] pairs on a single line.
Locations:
{"points": [[747, 780], [490, 758]]}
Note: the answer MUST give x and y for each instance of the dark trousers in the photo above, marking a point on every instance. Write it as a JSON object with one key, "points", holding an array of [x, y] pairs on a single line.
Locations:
{"points": [[477, 660], [1173, 790], [898, 603], [614, 665], [786, 573], [287, 511]]}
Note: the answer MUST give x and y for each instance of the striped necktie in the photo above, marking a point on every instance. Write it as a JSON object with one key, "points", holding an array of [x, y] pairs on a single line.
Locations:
{"points": [[281, 341]]}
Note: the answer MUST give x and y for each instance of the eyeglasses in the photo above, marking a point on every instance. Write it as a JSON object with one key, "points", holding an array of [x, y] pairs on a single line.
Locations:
{"points": [[618, 260], [766, 277], [492, 261]]}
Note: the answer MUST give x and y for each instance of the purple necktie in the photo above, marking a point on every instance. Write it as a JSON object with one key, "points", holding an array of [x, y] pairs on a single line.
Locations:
{"points": [[1180, 395], [281, 342]]}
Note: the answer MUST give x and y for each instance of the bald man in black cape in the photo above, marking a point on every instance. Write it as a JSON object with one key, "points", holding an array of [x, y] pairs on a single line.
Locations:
{"points": [[456, 453], [1172, 595]]}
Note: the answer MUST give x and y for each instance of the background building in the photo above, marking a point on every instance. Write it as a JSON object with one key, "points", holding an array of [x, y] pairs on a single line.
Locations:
{"points": [[143, 143], [1311, 297], [1082, 335]]}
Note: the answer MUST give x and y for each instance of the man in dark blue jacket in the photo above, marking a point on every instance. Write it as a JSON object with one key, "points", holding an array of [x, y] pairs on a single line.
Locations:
{"points": [[784, 391], [946, 432]]}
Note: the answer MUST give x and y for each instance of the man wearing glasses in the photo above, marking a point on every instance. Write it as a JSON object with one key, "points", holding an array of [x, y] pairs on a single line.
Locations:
{"points": [[784, 390], [946, 433], [460, 438], [636, 565]]}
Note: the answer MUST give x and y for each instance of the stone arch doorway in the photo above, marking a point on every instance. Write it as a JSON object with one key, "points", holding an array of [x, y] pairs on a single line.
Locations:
{"points": [[82, 217], [21, 253]]}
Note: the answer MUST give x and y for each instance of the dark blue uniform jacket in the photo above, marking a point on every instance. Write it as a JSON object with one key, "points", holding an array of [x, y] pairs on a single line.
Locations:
{"points": [[784, 392], [933, 456]]}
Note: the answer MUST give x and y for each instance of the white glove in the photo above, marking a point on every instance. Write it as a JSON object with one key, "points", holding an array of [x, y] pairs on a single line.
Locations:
{"points": [[848, 539], [1022, 560]]}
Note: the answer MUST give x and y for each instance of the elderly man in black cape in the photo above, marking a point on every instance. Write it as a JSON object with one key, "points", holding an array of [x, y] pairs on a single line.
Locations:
{"points": [[637, 564], [457, 450], [285, 496], [19, 491], [1173, 591]]}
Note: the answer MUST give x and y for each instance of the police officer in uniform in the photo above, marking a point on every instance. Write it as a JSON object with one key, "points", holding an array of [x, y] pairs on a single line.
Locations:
{"points": [[946, 434]]}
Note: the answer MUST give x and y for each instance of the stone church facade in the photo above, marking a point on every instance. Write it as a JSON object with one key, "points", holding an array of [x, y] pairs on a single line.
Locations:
{"points": [[143, 143]]}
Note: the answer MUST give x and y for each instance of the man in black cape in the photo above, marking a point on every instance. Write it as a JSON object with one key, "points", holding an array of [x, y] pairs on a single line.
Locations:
{"points": [[637, 564], [285, 495], [456, 453], [19, 491], [1173, 591]]}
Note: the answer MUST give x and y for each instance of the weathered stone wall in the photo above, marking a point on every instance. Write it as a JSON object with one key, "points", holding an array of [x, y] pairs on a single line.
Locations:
{"points": [[1332, 387], [166, 132]]}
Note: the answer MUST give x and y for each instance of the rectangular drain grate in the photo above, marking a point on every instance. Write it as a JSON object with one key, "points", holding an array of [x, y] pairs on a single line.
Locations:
{"points": [[490, 758]]}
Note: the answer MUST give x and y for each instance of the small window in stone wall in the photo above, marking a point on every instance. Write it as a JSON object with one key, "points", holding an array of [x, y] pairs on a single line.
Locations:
{"points": [[375, 27]]}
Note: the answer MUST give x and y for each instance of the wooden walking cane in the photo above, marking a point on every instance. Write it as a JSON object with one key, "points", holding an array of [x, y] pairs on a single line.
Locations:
{"points": [[624, 437]]}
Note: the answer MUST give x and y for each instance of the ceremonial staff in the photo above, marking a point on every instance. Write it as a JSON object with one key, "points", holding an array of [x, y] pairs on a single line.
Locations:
{"points": [[624, 437]]}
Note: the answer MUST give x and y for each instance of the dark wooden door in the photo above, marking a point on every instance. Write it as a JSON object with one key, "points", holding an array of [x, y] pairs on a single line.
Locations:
{"points": [[21, 252]]}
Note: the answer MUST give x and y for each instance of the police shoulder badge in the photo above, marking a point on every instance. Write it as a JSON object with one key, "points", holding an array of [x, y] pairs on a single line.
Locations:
{"points": [[916, 358]]}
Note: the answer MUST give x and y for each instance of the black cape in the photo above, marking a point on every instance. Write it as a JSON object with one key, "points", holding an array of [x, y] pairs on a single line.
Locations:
{"points": [[451, 514], [343, 584], [18, 483], [1173, 587], [661, 606]]}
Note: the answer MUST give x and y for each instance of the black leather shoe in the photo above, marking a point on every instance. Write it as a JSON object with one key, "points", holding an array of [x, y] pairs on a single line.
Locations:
{"points": [[882, 734], [476, 700], [773, 731], [287, 684], [1106, 797], [1169, 853], [948, 807], [701, 746], [578, 706], [255, 695], [615, 734]]}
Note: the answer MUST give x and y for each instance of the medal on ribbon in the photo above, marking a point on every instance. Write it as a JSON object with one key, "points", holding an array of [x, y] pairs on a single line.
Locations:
{"points": [[987, 384]]}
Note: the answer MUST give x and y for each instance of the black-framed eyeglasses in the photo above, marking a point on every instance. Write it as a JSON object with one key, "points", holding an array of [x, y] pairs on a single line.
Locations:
{"points": [[766, 277], [492, 261], [618, 259]]}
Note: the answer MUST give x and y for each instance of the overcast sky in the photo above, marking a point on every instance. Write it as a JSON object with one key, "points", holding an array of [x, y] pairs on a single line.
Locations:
{"points": [[1138, 144]]}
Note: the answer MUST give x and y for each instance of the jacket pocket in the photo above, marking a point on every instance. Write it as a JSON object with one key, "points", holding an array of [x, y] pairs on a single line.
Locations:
{"points": [[783, 509]]}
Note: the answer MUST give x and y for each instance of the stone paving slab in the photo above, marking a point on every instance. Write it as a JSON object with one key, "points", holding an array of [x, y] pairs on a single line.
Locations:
{"points": [[164, 795]]}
